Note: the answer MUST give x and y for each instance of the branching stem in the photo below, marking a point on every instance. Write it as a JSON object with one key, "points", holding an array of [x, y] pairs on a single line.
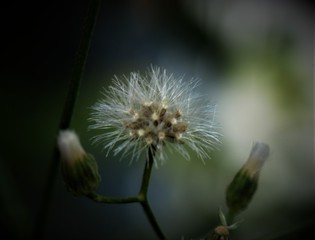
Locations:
{"points": [[141, 198]]}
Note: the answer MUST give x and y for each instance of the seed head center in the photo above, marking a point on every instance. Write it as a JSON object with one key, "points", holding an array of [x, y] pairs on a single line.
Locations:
{"points": [[155, 123]]}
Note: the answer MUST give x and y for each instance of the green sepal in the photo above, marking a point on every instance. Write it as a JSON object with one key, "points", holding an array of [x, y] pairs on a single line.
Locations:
{"points": [[241, 191], [82, 176]]}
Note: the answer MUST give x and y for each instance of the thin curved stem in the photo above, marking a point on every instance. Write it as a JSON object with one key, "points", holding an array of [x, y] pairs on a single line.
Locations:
{"points": [[65, 120]]}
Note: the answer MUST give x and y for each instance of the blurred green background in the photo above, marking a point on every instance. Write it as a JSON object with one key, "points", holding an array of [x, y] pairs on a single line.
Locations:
{"points": [[253, 58]]}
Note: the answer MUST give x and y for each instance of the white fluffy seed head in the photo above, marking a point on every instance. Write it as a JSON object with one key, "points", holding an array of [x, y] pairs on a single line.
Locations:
{"points": [[157, 111]]}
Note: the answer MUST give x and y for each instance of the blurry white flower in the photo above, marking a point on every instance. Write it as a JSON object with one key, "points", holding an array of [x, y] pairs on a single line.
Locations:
{"points": [[78, 168], [154, 111], [70, 147]]}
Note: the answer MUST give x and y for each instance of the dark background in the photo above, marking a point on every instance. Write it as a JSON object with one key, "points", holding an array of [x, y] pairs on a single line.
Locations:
{"points": [[254, 58]]}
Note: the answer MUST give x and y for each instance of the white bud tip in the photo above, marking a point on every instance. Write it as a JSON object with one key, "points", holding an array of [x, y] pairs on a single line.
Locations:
{"points": [[257, 157], [69, 146], [260, 151]]}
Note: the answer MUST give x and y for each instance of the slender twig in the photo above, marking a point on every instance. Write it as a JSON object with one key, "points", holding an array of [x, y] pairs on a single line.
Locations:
{"points": [[65, 120]]}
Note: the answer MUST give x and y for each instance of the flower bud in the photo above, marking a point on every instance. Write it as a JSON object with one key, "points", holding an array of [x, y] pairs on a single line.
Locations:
{"points": [[241, 190], [78, 168]]}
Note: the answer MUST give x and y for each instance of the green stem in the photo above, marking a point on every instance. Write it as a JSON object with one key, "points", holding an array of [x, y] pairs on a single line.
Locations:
{"points": [[79, 65], [142, 197], [147, 172], [73, 89], [144, 194], [102, 199], [147, 209]]}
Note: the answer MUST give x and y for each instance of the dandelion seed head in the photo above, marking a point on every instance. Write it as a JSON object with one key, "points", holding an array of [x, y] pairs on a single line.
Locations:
{"points": [[155, 111]]}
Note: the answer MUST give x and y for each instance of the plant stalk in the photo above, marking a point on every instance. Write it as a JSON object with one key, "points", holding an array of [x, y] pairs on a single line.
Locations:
{"points": [[144, 194], [67, 113], [141, 198], [102, 199]]}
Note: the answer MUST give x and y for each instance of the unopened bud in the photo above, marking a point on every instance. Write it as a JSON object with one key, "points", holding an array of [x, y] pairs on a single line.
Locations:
{"points": [[242, 189], [78, 168]]}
